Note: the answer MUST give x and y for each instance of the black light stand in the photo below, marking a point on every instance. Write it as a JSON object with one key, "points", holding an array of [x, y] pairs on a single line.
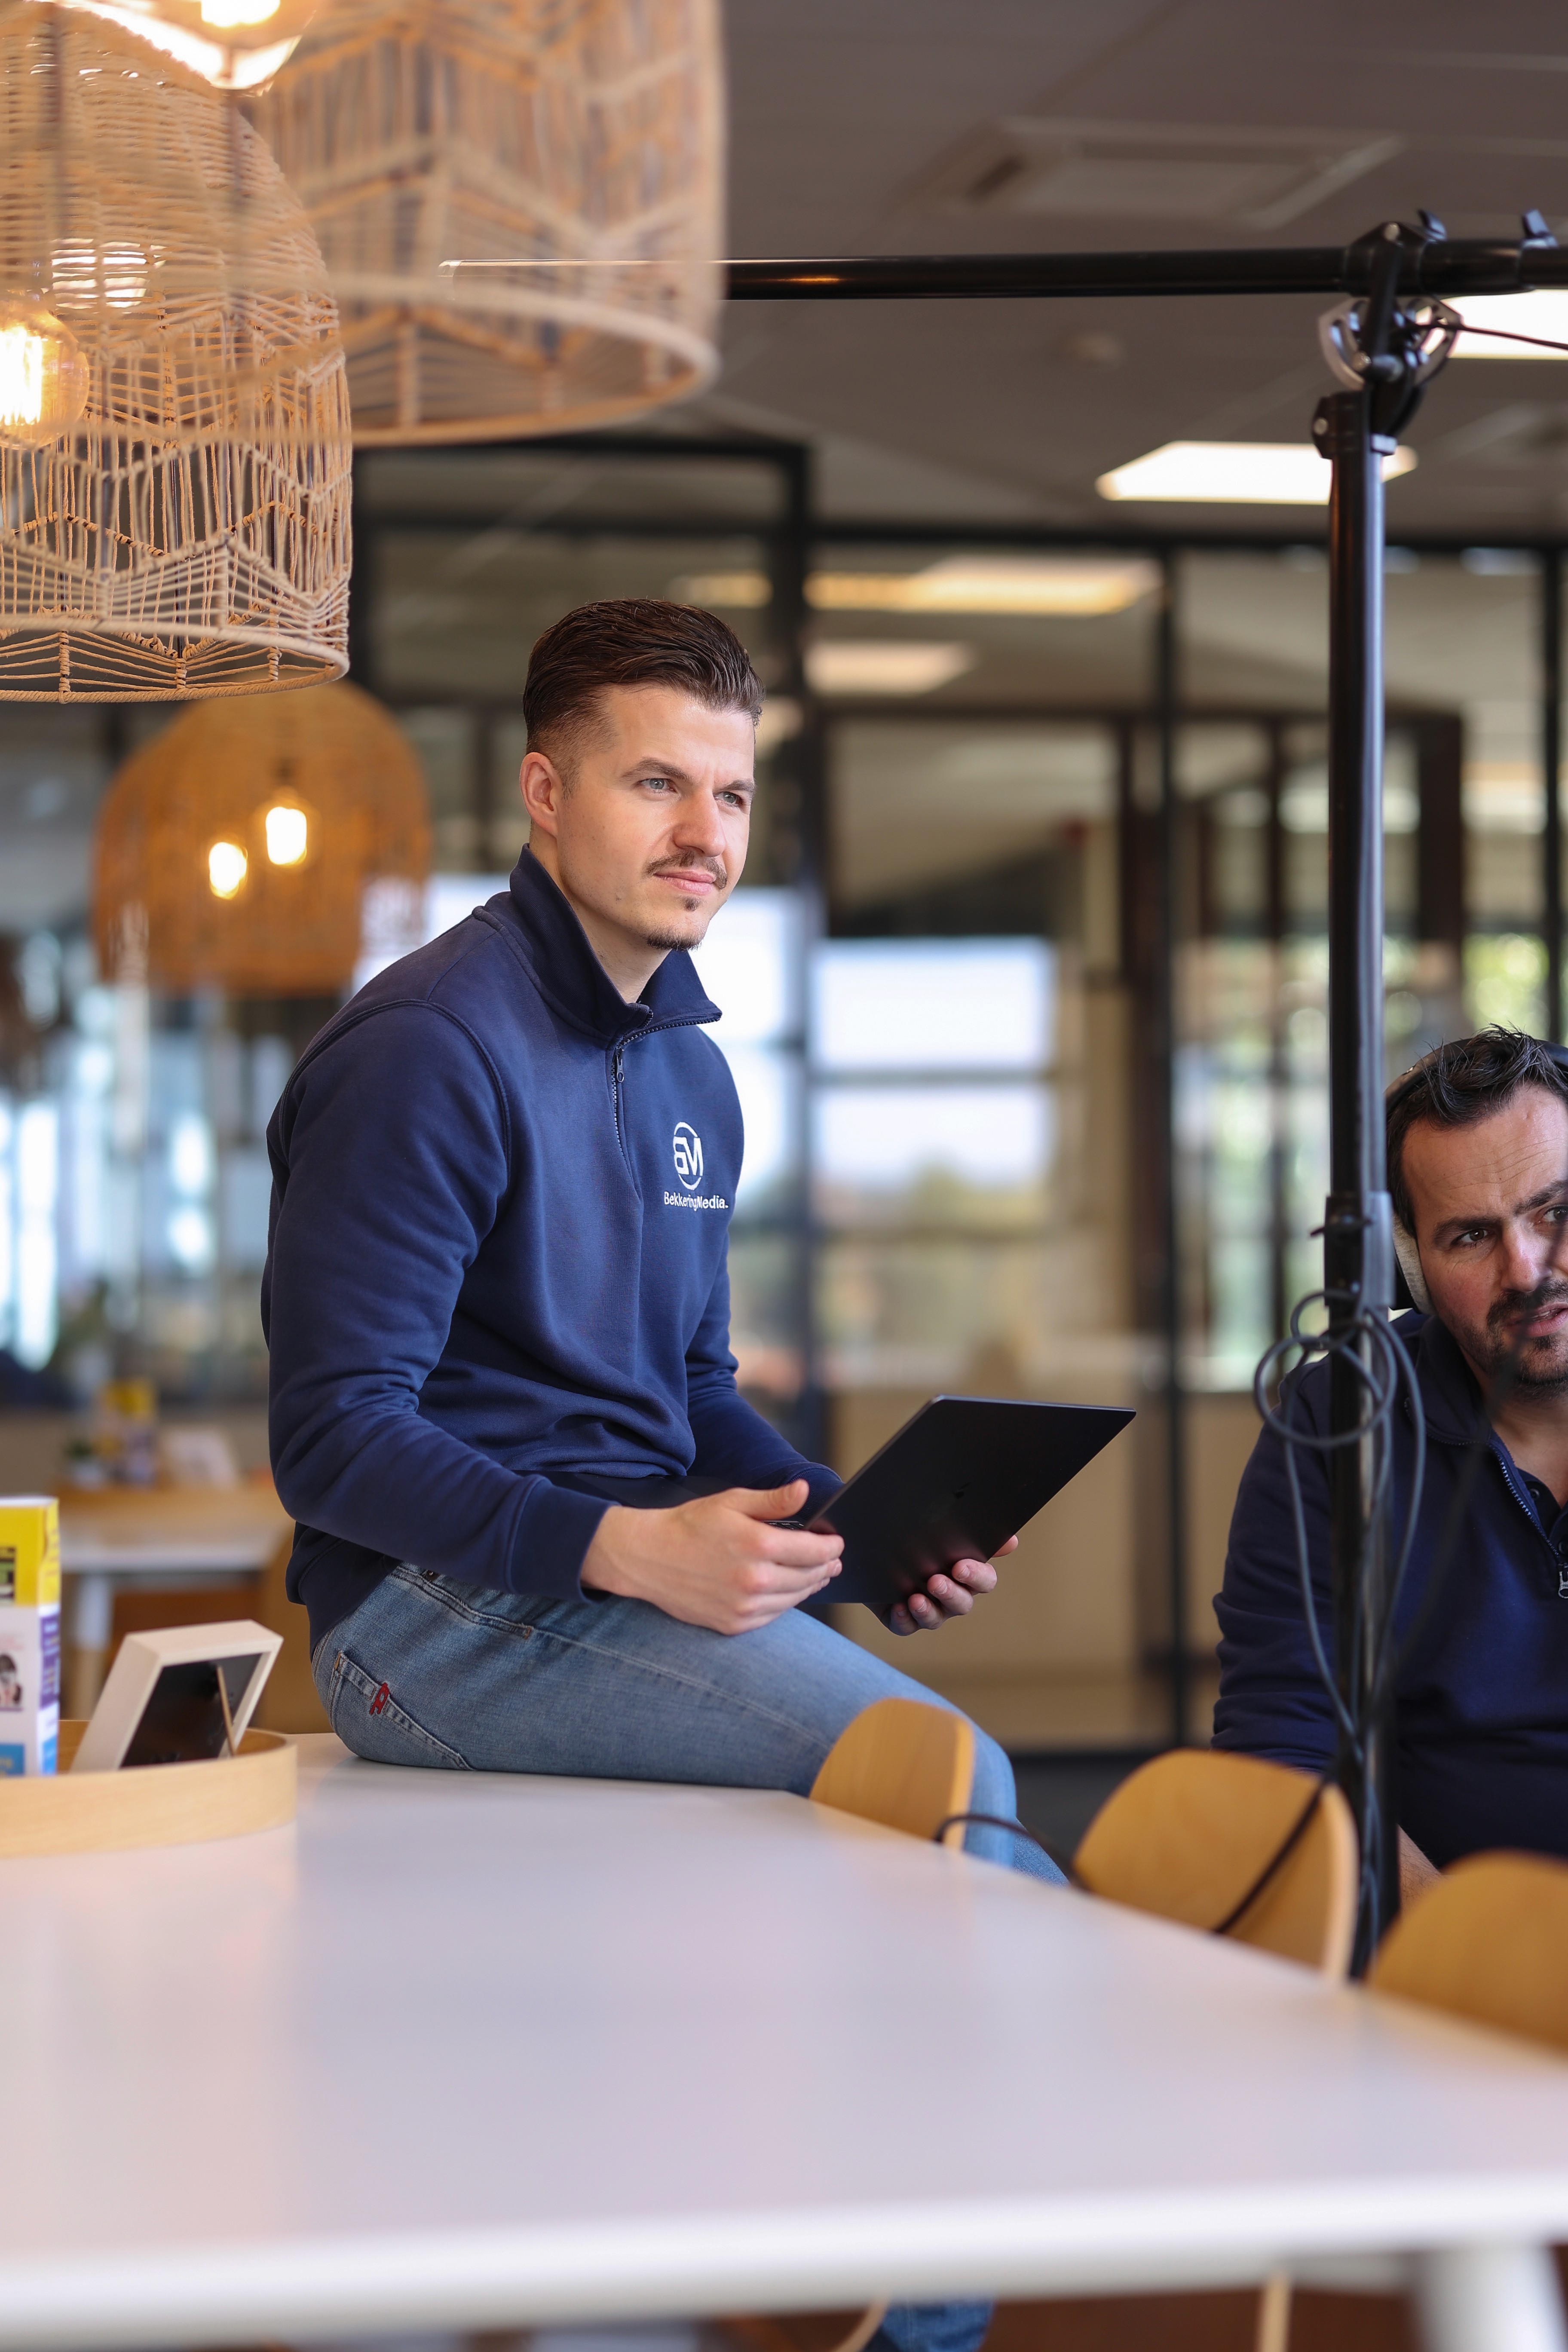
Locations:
{"points": [[1384, 359], [1552, 776], [1383, 343]]}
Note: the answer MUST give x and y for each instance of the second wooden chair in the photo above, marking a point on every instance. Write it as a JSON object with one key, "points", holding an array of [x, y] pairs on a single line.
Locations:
{"points": [[1190, 1835], [1486, 1942]]}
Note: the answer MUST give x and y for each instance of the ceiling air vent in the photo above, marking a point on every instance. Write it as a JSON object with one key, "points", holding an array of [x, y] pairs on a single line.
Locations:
{"points": [[1260, 179]]}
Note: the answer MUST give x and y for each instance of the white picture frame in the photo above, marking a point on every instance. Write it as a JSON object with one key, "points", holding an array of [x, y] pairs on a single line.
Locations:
{"points": [[156, 1705]]}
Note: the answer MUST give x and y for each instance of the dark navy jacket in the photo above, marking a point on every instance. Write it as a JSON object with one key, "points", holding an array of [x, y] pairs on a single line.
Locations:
{"points": [[1483, 1696], [500, 1207]]}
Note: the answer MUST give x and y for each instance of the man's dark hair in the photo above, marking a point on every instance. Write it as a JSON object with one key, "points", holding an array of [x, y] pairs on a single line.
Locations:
{"points": [[630, 641], [1459, 1083]]}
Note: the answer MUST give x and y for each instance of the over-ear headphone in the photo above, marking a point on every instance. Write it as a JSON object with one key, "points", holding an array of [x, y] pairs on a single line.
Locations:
{"points": [[1404, 1245]]}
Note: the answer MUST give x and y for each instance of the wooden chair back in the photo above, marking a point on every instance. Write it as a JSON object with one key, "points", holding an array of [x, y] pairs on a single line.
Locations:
{"points": [[1188, 1834], [1486, 1942], [902, 1763]]}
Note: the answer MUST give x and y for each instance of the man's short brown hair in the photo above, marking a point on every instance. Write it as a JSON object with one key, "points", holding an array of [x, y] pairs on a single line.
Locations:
{"points": [[630, 641], [1458, 1083]]}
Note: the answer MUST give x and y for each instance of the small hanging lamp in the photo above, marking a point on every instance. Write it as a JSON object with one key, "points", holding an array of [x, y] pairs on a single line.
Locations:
{"points": [[263, 849], [519, 202], [174, 450]]}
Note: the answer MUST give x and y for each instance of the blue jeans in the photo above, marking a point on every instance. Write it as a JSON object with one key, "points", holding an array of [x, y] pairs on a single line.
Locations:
{"points": [[427, 1671]]}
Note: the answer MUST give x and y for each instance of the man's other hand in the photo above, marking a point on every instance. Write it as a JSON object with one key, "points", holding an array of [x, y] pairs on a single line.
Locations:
{"points": [[952, 1595], [720, 1562]]}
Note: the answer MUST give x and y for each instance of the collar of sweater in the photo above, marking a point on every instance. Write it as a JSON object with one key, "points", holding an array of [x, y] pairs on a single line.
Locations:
{"points": [[561, 961]]}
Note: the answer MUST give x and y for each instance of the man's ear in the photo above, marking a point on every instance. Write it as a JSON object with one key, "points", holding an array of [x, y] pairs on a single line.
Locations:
{"points": [[542, 786], [1409, 1256]]}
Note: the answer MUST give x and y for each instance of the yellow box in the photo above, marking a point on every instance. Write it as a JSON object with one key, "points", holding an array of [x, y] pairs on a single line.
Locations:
{"points": [[29, 1551]]}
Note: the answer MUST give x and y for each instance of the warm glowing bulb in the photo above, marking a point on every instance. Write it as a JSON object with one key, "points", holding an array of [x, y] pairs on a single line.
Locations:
{"points": [[227, 14], [226, 867], [286, 835], [42, 375]]}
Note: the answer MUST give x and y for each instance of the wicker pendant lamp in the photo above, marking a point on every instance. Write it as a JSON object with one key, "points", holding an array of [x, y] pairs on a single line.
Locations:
{"points": [[260, 849], [174, 452], [519, 202]]}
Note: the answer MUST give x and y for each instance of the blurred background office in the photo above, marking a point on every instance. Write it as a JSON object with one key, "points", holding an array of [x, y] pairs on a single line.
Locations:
{"points": [[1023, 990]]}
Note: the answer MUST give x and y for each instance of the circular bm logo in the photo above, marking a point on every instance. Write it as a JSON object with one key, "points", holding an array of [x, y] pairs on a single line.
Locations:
{"points": [[689, 1156]]}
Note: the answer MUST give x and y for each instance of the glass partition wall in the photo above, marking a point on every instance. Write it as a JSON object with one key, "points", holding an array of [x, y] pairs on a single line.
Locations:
{"points": [[1026, 980]]}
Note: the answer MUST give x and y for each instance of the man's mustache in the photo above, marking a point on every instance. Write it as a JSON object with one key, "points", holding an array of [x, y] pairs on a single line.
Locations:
{"points": [[714, 865], [1519, 1306]]}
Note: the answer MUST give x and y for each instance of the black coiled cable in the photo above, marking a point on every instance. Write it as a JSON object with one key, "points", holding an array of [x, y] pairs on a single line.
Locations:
{"points": [[1368, 1344]]}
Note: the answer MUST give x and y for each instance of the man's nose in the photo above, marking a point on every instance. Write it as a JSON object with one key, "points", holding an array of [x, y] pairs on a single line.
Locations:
{"points": [[1526, 1256], [700, 825]]}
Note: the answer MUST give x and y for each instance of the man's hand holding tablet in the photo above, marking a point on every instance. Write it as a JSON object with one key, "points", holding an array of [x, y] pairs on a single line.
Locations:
{"points": [[950, 1593], [914, 1534]]}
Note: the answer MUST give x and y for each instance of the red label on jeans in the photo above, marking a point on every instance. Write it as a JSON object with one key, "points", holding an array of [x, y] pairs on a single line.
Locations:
{"points": [[379, 1701]]}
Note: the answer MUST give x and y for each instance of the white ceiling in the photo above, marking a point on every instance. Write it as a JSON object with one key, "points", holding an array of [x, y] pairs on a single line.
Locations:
{"points": [[857, 126]]}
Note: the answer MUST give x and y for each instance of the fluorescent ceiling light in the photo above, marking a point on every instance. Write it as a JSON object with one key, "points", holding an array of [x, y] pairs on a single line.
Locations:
{"points": [[985, 584], [870, 666], [1543, 311], [739, 591], [959, 584], [1237, 473]]}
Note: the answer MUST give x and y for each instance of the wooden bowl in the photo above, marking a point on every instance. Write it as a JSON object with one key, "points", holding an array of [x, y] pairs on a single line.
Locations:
{"points": [[153, 1804]]}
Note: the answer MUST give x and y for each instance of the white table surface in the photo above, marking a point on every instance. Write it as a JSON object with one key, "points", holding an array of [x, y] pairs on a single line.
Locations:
{"points": [[470, 2050]]}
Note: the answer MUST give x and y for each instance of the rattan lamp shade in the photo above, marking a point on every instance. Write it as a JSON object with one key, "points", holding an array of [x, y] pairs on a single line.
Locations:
{"points": [[188, 889], [189, 533], [519, 202]]}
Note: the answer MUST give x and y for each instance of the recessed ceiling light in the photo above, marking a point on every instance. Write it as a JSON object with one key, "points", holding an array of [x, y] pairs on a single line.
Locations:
{"points": [[959, 584], [1235, 473], [980, 584], [1542, 311], [874, 665], [740, 591]]}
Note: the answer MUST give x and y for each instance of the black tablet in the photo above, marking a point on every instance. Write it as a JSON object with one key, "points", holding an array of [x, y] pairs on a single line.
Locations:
{"points": [[955, 1482]]}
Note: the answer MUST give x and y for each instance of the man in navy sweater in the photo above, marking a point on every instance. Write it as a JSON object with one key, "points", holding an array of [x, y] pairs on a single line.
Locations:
{"points": [[1478, 1167], [496, 1302]]}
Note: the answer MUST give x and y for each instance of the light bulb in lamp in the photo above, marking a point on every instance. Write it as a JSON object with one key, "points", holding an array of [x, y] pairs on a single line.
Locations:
{"points": [[44, 378], [227, 866], [233, 44], [287, 834]]}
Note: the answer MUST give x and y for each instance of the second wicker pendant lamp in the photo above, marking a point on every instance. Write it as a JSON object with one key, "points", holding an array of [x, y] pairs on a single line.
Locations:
{"points": [[518, 202]]}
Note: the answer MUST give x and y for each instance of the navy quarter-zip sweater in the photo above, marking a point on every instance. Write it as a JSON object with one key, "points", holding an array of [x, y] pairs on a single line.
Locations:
{"points": [[1483, 1694], [497, 1261]]}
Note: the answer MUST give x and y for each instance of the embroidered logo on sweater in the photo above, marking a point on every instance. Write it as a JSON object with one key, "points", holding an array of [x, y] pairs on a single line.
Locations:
{"points": [[688, 1167]]}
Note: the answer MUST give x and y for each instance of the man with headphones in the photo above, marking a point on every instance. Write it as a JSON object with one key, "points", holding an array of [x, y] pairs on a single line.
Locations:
{"points": [[1477, 1168]]}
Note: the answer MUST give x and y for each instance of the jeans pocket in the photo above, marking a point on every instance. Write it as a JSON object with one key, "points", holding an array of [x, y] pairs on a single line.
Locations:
{"points": [[367, 1718]]}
